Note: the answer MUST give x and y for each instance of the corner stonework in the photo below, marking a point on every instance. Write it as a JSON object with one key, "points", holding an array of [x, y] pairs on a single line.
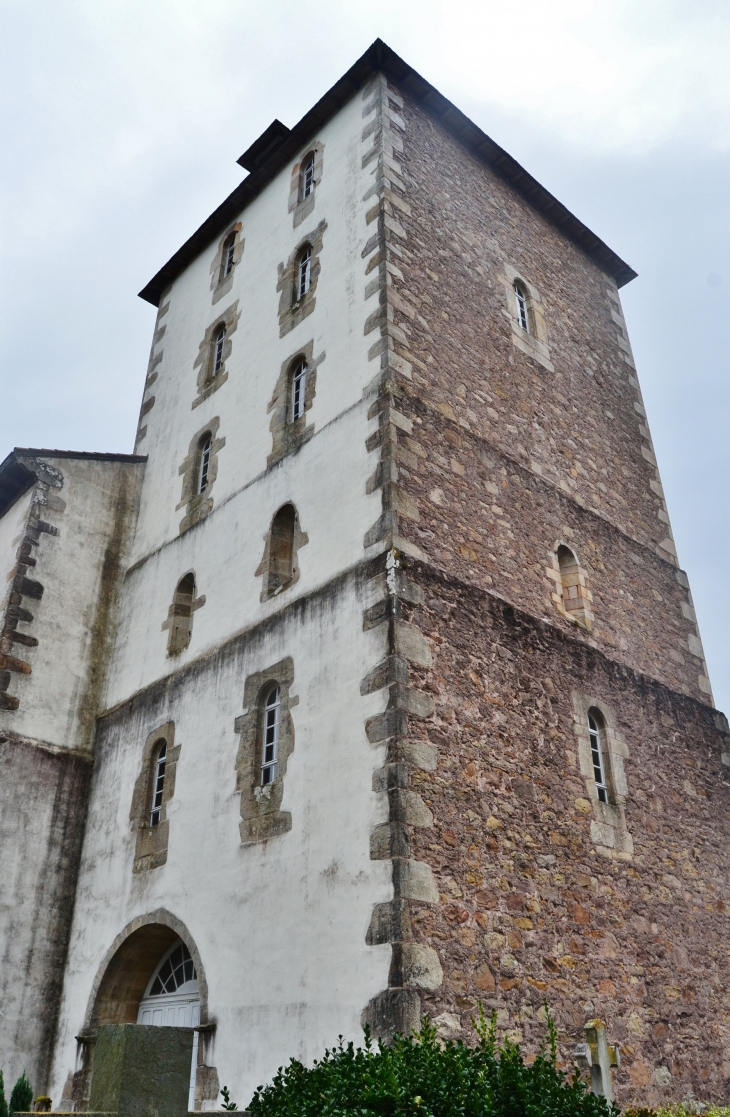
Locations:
{"points": [[414, 966], [24, 590]]}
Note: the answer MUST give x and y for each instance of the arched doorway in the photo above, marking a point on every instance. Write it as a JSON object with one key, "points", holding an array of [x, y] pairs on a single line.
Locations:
{"points": [[172, 1000], [126, 987]]}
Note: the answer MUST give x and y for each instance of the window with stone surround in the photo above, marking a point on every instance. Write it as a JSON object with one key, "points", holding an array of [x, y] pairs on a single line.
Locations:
{"points": [[199, 470], [153, 790], [297, 280], [570, 592], [575, 593], [266, 735], [306, 176], [600, 755], [525, 313], [179, 623], [223, 265], [214, 352], [291, 402], [279, 565]]}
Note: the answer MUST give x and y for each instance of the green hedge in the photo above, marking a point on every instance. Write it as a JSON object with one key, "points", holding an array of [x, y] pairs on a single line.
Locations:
{"points": [[421, 1076]]}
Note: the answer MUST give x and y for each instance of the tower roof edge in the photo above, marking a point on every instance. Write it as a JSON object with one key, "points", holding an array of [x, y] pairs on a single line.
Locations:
{"points": [[277, 144]]}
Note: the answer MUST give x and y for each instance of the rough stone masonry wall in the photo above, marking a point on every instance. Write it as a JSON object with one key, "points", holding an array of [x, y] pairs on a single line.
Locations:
{"points": [[577, 425], [530, 907], [505, 457], [487, 458], [496, 524]]}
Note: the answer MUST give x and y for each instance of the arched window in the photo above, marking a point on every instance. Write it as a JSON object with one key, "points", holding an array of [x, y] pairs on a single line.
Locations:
{"points": [[298, 390], [204, 448], [281, 548], [304, 272], [219, 342], [181, 615], [270, 742], [596, 732], [570, 581], [227, 254], [307, 177], [523, 306], [158, 782], [176, 970]]}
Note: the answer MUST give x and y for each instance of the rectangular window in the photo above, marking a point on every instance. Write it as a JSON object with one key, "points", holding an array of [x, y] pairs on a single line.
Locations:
{"points": [[299, 384], [158, 786], [270, 744], [599, 771]]}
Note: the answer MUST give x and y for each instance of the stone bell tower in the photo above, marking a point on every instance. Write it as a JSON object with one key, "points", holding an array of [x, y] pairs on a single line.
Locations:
{"points": [[376, 659]]}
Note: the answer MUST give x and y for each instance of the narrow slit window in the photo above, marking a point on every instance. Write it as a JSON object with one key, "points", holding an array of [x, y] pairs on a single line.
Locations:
{"points": [[308, 176], [158, 784], [599, 768], [523, 311], [229, 249], [304, 277], [218, 346], [298, 390], [270, 743]]}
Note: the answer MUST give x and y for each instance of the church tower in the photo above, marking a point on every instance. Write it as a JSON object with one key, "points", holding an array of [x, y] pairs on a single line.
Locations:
{"points": [[369, 686]]}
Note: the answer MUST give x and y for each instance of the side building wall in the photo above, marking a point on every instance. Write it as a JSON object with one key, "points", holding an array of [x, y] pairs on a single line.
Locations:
{"points": [[63, 542]]}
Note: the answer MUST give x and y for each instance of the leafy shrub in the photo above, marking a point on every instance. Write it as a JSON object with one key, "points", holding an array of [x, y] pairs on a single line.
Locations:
{"points": [[21, 1099], [420, 1076], [3, 1103]]}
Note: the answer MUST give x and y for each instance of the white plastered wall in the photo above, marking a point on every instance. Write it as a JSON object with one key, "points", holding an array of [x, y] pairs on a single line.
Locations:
{"points": [[12, 527], [280, 926], [58, 701]]}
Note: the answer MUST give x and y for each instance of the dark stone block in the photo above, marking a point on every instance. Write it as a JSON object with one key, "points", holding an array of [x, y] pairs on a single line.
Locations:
{"points": [[141, 1071]]}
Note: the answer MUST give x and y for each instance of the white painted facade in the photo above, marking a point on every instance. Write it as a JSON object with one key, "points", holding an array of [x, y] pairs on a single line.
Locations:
{"points": [[280, 926]]}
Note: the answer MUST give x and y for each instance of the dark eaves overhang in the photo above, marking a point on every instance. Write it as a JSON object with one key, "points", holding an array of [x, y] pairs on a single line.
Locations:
{"points": [[278, 145], [16, 477]]}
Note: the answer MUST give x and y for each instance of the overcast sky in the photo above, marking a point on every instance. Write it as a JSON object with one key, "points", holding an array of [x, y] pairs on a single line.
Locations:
{"points": [[122, 120]]}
